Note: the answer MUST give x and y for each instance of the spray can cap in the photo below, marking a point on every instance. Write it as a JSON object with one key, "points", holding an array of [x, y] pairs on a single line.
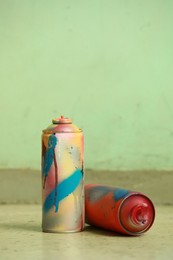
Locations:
{"points": [[137, 214], [62, 120], [62, 125]]}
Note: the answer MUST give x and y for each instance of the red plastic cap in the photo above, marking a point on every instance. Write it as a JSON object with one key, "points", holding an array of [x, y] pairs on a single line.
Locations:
{"points": [[137, 214], [62, 120]]}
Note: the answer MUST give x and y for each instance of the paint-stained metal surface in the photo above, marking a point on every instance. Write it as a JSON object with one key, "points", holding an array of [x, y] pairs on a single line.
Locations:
{"points": [[117, 209], [62, 177]]}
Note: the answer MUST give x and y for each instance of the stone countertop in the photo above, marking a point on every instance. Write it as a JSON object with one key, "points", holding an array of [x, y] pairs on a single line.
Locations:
{"points": [[21, 238], [24, 186]]}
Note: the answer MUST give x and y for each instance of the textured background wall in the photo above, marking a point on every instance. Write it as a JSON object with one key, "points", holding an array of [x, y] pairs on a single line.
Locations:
{"points": [[107, 64]]}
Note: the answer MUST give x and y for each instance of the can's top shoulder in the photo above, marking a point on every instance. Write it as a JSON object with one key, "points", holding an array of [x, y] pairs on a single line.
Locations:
{"points": [[62, 125]]}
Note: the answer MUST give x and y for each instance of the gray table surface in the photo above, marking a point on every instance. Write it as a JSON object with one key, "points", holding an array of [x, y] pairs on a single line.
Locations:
{"points": [[21, 238]]}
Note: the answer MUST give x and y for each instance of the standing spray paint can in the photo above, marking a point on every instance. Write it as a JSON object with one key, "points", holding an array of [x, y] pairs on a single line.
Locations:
{"points": [[120, 210], [62, 177]]}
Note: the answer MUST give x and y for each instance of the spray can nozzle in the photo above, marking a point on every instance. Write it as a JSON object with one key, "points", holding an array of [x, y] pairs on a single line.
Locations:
{"points": [[62, 120], [139, 214]]}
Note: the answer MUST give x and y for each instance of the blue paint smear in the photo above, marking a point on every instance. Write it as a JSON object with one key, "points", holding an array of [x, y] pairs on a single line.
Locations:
{"points": [[98, 192], [120, 194], [49, 155], [62, 190]]}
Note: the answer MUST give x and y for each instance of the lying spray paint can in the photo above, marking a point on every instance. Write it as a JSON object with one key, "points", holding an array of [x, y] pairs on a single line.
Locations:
{"points": [[62, 177], [120, 210]]}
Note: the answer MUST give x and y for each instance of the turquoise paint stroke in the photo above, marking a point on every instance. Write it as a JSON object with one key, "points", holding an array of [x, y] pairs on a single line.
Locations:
{"points": [[120, 194], [49, 155], [63, 189]]}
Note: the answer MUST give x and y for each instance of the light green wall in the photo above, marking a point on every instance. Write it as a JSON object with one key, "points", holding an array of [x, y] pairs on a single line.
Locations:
{"points": [[108, 64]]}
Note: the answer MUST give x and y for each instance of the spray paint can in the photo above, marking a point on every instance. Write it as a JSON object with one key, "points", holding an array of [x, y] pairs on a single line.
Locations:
{"points": [[62, 177], [120, 210]]}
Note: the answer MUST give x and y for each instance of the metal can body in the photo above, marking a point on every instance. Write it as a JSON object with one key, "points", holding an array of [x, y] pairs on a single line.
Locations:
{"points": [[119, 210], [62, 178]]}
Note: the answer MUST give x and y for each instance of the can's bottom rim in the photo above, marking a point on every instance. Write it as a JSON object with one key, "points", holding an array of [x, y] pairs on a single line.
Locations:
{"points": [[65, 231]]}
